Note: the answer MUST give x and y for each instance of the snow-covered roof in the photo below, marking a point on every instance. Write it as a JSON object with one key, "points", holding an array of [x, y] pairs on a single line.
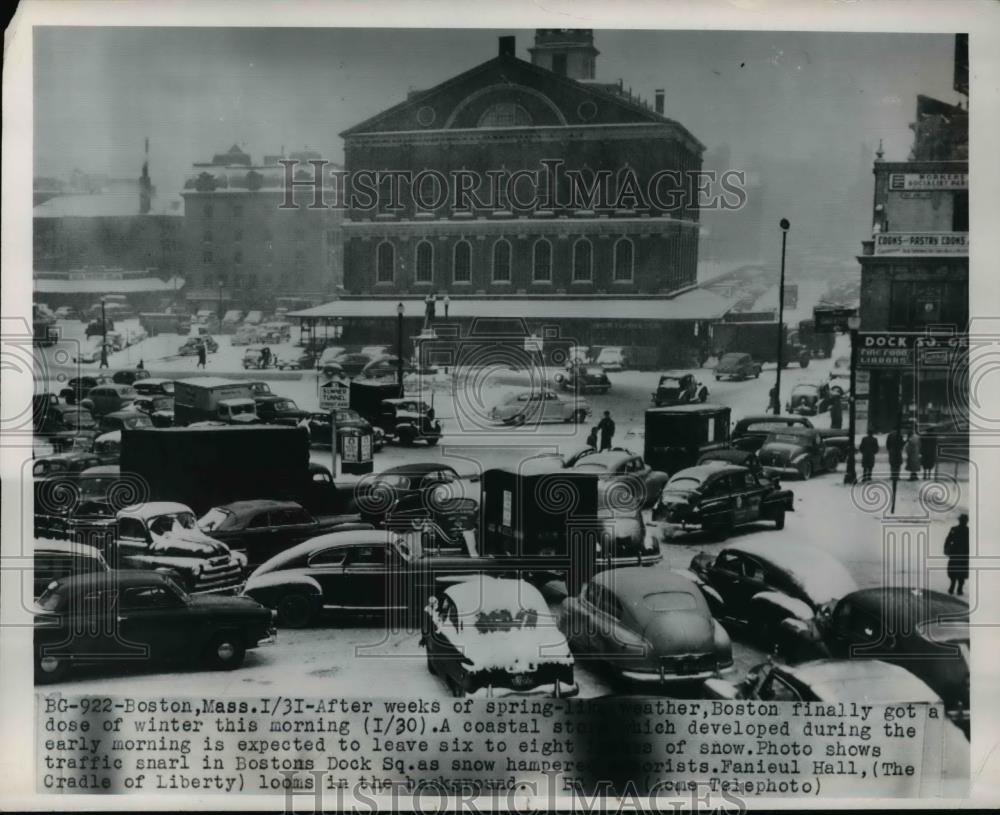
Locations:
{"points": [[106, 286], [117, 203]]}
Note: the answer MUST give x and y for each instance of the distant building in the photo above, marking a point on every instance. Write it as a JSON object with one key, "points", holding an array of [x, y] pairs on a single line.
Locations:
{"points": [[915, 270], [242, 248]]}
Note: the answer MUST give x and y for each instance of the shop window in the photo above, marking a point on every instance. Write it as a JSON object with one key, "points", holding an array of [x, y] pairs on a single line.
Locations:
{"points": [[542, 266], [462, 262], [501, 261], [960, 211]]}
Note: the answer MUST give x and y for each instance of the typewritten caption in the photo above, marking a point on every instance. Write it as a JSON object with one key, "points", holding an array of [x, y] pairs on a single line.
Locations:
{"points": [[94, 744]]}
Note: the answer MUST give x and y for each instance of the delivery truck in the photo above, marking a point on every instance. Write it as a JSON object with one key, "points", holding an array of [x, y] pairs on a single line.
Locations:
{"points": [[205, 467], [213, 399]]}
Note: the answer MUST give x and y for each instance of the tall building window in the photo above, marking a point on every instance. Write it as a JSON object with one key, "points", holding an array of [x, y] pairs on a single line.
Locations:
{"points": [[583, 261], [385, 263], [425, 262], [505, 114], [501, 261], [542, 266], [462, 264], [624, 269]]}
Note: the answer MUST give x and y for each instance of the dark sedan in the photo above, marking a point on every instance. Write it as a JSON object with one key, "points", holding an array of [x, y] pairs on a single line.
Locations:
{"points": [[629, 472], [648, 625], [763, 584], [751, 431], [320, 427], [66, 420], [63, 463], [385, 368], [278, 410], [130, 376], [159, 408], [678, 388], [584, 378], [79, 386], [408, 495], [926, 632], [130, 419], [262, 528], [60, 559], [353, 364], [737, 366], [131, 618], [717, 496], [809, 398], [801, 452]]}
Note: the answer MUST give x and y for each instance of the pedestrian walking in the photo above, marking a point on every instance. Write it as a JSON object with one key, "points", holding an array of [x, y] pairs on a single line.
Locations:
{"points": [[592, 438], [913, 455], [430, 306], [607, 429], [836, 413], [772, 400], [104, 356], [956, 547], [202, 354], [141, 366], [894, 445], [928, 454], [868, 448]]}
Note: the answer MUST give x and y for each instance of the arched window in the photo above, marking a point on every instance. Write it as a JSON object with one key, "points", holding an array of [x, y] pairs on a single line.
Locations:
{"points": [[385, 263], [462, 263], [624, 259], [542, 266], [425, 262], [505, 114], [583, 261], [501, 261]]}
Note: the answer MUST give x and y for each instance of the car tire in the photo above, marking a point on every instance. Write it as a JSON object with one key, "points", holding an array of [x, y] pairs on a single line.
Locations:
{"points": [[456, 687], [804, 361], [718, 378], [756, 374], [579, 417], [779, 519], [806, 470], [296, 610], [703, 396], [225, 651], [50, 669], [433, 440], [832, 461], [517, 420]]}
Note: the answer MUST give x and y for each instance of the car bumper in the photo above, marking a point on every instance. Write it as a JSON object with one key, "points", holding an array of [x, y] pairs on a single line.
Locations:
{"points": [[664, 677], [785, 469]]}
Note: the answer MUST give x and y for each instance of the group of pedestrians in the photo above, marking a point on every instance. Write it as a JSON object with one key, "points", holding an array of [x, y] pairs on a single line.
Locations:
{"points": [[918, 452], [605, 429]]}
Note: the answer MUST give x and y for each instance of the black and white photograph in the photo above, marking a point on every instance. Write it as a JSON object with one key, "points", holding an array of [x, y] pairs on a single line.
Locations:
{"points": [[422, 409]]}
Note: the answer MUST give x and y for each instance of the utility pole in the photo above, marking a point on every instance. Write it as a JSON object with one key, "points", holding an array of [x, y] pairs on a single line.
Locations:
{"points": [[784, 224]]}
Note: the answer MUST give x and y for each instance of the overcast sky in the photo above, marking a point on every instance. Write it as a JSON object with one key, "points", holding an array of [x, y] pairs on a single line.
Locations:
{"points": [[194, 92]]}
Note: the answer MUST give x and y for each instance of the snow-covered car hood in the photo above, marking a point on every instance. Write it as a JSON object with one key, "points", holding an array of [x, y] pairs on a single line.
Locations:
{"points": [[188, 542], [517, 650]]}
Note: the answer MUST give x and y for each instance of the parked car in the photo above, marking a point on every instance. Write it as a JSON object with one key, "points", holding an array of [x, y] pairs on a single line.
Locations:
{"points": [[304, 361], [131, 419], [751, 431], [165, 534], [612, 358], [579, 354], [129, 377], [67, 313], [488, 634], [716, 497], [925, 632], [62, 463], [407, 495], [261, 528], [90, 354], [72, 420], [108, 398], [583, 378], [801, 452], [740, 458], [320, 427], [351, 365], [629, 472], [79, 386], [737, 366], [536, 406], [136, 617], [375, 351], [159, 408], [408, 420], [679, 388], [387, 367], [840, 375], [189, 348], [809, 399], [108, 447], [260, 388], [96, 328], [331, 356], [59, 559], [648, 625], [245, 335], [760, 585], [254, 317], [154, 386], [278, 410]]}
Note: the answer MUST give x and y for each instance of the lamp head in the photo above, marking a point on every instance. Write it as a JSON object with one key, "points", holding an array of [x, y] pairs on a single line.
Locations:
{"points": [[784, 224], [400, 309]]}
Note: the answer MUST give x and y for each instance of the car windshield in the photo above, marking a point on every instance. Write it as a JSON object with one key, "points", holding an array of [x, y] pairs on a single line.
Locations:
{"points": [[170, 522], [785, 438], [591, 466], [132, 422], [804, 390], [348, 416], [670, 382], [397, 481], [285, 404], [163, 403], [731, 359], [235, 410], [669, 601], [216, 518]]}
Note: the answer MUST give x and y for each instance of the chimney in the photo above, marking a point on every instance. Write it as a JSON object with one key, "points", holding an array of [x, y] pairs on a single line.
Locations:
{"points": [[658, 100], [145, 186], [508, 46]]}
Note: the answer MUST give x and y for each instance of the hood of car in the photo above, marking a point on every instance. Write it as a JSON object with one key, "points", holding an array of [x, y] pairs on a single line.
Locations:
{"points": [[216, 603], [188, 542], [671, 633]]}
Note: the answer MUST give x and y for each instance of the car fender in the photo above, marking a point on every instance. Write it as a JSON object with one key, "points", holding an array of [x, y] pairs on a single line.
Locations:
{"points": [[270, 584], [721, 642], [767, 602]]}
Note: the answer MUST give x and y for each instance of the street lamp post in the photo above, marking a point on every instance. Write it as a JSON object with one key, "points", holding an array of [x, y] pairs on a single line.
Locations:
{"points": [[104, 334], [447, 302], [784, 224], [851, 472], [400, 310], [220, 304]]}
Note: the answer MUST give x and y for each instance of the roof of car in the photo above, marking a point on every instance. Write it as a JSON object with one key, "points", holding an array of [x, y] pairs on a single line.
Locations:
{"points": [[474, 593], [675, 374], [65, 547], [710, 468], [869, 679], [770, 418], [351, 537], [124, 414], [245, 508], [153, 380], [796, 430], [729, 455], [111, 579], [608, 458], [208, 381], [818, 573], [915, 605], [419, 468], [699, 408], [153, 508], [632, 583]]}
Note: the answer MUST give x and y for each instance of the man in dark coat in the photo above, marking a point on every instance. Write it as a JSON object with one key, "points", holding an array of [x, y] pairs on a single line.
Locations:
{"points": [[868, 449], [894, 445], [956, 547], [607, 428], [202, 354], [928, 453], [836, 413]]}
